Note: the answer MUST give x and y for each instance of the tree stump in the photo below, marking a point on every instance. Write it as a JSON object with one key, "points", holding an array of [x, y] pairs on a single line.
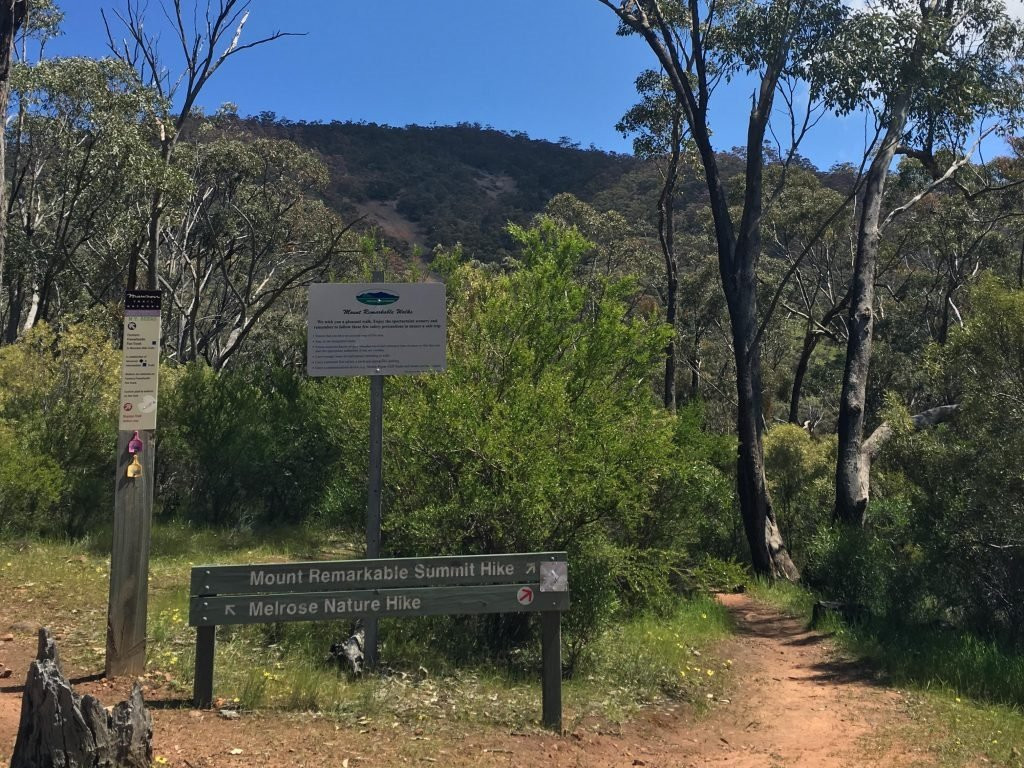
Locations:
{"points": [[349, 652], [60, 729]]}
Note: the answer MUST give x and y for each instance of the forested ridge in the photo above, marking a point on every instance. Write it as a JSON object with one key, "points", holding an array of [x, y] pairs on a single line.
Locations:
{"points": [[687, 367], [447, 184]]}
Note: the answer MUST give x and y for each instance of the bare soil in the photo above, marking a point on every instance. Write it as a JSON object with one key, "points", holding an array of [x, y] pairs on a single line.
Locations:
{"points": [[392, 223], [793, 703]]}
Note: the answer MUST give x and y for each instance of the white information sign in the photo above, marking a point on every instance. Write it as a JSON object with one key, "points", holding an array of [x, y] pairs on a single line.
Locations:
{"points": [[376, 329], [140, 362]]}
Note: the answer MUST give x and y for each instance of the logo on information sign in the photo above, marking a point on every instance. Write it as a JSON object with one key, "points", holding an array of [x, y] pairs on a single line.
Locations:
{"points": [[376, 298], [525, 596]]}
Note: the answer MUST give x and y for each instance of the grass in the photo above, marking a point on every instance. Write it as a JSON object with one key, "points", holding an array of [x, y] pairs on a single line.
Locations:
{"points": [[282, 666], [941, 658], [959, 730], [654, 658], [964, 694], [786, 596]]}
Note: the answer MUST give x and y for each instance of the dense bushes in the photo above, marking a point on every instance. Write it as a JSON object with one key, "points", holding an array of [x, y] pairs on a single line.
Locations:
{"points": [[544, 434], [944, 540], [966, 530], [258, 446], [801, 472], [251, 446], [58, 398]]}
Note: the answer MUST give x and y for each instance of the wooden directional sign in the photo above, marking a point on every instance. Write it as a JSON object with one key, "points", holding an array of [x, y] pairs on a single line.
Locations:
{"points": [[342, 575], [415, 601], [415, 586]]}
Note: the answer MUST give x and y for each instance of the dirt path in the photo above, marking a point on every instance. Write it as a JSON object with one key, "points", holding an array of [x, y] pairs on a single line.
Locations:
{"points": [[795, 704], [792, 705]]}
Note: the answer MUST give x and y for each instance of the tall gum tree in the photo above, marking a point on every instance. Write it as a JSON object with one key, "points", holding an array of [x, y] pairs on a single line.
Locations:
{"points": [[698, 44], [82, 161], [205, 42], [657, 123], [12, 16], [931, 72]]}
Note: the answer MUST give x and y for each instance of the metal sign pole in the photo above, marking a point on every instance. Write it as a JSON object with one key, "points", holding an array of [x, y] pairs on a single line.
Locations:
{"points": [[373, 495], [375, 329]]}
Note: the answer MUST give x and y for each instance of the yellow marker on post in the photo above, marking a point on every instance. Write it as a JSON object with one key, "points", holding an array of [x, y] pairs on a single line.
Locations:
{"points": [[134, 469]]}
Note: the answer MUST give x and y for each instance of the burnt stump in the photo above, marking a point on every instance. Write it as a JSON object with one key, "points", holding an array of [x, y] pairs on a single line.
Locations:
{"points": [[60, 729]]}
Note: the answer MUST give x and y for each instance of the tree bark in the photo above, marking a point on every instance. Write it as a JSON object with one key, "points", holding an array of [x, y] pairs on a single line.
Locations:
{"points": [[851, 495], [59, 729], [738, 249], [851, 500], [12, 15], [666, 234], [768, 553]]}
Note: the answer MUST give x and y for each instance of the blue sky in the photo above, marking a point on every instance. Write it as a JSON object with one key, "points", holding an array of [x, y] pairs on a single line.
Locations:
{"points": [[552, 68]]}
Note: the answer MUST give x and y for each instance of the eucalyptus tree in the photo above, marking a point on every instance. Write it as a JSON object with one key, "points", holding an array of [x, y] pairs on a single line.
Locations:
{"points": [[81, 164], [205, 41], [698, 45], [621, 249], [250, 231], [12, 15], [956, 240], [658, 128], [929, 71], [813, 246]]}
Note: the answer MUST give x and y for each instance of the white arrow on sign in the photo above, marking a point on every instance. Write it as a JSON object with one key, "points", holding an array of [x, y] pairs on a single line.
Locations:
{"points": [[531, 568], [229, 610]]}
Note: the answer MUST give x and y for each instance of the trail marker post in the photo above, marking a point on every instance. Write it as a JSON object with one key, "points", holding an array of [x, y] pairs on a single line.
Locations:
{"points": [[133, 490]]}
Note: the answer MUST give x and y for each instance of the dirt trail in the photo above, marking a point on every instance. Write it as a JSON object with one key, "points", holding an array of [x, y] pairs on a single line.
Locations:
{"points": [[792, 705]]}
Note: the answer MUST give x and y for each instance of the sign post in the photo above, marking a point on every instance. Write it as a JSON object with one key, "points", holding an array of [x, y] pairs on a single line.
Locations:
{"points": [[133, 490], [374, 488], [535, 582], [375, 329]]}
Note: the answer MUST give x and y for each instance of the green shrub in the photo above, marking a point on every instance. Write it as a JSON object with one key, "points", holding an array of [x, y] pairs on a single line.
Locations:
{"points": [[58, 399], [31, 484], [850, 564], [958, 557], [253, 446], [711, 574], [695, 497], [542, 435], [800, 471]]}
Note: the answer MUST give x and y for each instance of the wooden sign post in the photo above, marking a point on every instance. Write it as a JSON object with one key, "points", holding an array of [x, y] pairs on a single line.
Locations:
{"points": [[535, 582], [133, 489]]}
